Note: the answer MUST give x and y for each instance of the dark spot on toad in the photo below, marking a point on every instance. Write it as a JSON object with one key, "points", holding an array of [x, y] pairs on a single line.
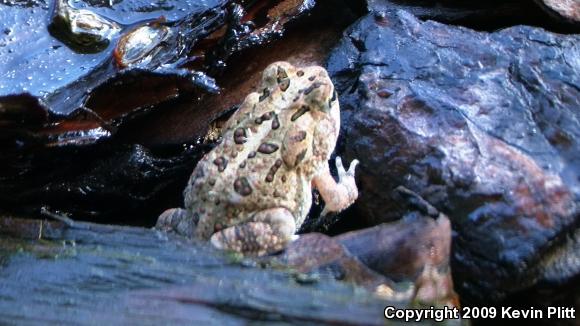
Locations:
{"points": [[311, 78], [240, 136], [265, 94], [300, 157], [251, 154], [300, 73], [275, 123], [312, 87], [298, 137], [273, 169], [303, 109], [242, 186], [267, 148], [221, 163], [267, 116]]}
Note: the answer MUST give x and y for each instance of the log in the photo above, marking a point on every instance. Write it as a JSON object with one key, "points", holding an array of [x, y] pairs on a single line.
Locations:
{"points": [[84, 273]]}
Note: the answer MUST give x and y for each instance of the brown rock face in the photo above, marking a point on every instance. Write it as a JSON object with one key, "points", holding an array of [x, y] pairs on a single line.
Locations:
{"points": [[415, 249], [484, 126]]}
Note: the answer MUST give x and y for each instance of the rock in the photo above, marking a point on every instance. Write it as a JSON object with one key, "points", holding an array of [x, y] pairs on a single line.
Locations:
{"points": [[564, 9], [483, 15], [415, 250], [456, 11], [315, 252], [401, 250], [155, 57], [484, 126], [106, 183], [129, 157]]}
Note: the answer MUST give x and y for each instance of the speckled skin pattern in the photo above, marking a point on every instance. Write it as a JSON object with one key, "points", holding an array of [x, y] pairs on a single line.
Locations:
{"points": [[252, 191]]}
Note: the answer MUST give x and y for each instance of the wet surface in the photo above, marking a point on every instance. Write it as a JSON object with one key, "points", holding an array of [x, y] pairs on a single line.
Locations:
{"points": [[33, 61], [407, 259], [81, 163], [482, 15], [73, 58], [484, 126], [106, 274], [489, 140]]}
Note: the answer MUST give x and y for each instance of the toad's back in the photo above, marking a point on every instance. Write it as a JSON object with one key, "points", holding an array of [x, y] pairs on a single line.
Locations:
{"points": [[269, 151]]}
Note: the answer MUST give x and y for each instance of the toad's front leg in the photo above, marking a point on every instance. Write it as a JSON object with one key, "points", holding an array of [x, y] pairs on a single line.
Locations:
{"points": [[337, 196], [267, 232]]}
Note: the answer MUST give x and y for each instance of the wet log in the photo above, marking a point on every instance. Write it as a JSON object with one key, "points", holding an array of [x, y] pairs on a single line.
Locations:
{"points": [[101, 274]]}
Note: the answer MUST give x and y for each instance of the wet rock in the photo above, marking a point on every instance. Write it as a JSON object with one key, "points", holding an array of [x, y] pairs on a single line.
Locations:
{"points": [[484, 126], [481, 15], [86, 164], [414, 250], [124, 184], [149, 59]]}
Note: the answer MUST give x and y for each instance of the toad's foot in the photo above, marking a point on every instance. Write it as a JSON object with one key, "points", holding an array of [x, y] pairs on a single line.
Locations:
{"points": [[337, 196], [269, 231], [176, 220]]}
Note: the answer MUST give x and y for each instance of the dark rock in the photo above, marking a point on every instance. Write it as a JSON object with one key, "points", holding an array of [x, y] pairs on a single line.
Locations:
{"points": [[107, 183], [481, 15], [35, 62], [86, 163], [79, 75], [484, 126]]}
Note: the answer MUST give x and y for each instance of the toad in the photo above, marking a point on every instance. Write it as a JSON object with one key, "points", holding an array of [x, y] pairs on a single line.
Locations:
{"points": [[253, 191]]}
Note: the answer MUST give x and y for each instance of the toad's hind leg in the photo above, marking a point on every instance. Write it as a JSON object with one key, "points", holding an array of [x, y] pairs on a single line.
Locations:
{"points": [[267, 232], [177, 220]]}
